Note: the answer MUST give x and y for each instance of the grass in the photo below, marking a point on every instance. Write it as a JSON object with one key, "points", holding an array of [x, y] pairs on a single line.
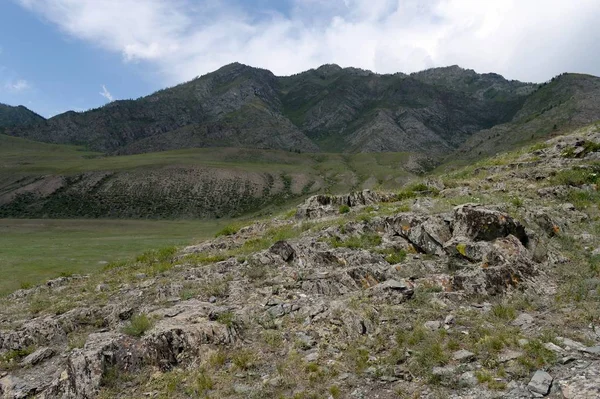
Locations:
{"points": [[33, 251], [138, 325]]}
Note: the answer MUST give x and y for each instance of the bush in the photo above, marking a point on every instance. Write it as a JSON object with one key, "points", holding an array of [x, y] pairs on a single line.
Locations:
{"points": [[344, 209], [138, 325]]}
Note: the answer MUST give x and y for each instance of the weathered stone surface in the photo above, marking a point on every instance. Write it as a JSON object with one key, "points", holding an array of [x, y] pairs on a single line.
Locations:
{"points": [[585, 384], [507, 265], [283, 249], [38, 356], [540, 382], [463, 356], [482, 224]]}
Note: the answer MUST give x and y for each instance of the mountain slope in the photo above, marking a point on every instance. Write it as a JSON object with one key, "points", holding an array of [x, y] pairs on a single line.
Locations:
{"points": [[568, 101], [17, 116], [329, 108]]}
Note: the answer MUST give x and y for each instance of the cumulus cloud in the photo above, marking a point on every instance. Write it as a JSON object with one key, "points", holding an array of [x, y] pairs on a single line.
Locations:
{"points": [[18, 86], [106, 94], [522, 39]]}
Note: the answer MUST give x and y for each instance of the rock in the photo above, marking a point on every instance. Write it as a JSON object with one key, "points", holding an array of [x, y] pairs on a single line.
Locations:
{"points": [[553, 347], [523, 320], [16, 388], [583, 385], [508, 265], [433, 325], [593, 350], [463, 356], [87, 366], [481, 224], [507, 355], [173, 339], [540, 382], [468, 379], [38, 356], [102, 287], [449, 320], [322, 205], [284, 250]]}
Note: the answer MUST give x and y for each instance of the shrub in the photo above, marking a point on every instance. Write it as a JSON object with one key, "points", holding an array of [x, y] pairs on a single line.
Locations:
{"points": [[344, 209], [138, 325]]}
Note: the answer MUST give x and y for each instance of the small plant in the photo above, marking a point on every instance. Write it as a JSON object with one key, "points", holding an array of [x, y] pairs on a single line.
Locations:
{"points": [[504, 312], [217, 359], [25, 285], [244, 359], [228, 230], [517, 202], [138, 325], [227, 319], [335, 392], [204, 382], [393, 256], [344, 209]]}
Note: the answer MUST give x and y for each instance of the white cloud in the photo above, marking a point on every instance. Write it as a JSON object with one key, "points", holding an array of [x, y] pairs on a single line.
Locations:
{"points": [[18, 86], [522, 39], [106, 94]]}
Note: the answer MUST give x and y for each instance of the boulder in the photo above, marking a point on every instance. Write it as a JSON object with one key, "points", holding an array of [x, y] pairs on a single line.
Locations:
{"points": [[283, 249], [482, 224], [540, 383], [508, 264]]}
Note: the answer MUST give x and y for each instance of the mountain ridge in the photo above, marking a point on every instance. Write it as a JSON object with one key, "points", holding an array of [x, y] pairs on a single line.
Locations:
{"points": [[238, 105]]}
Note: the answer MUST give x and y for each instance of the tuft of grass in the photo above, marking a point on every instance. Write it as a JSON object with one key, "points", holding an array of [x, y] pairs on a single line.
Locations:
{"points": [[244, 359], [344, 209], [137, 325], [228, 230], [368, 240]]}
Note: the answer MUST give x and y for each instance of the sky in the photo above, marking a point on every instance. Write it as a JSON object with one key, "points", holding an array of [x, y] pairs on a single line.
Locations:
{"points": [[59, 55]]}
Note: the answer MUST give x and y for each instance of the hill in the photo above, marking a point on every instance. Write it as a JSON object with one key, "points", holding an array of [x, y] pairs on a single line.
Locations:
{"points": [[61, 181], [18, 116], [480, 283]]}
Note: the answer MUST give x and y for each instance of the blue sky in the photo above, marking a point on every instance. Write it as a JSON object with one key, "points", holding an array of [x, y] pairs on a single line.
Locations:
{"points": [[58, 55]]}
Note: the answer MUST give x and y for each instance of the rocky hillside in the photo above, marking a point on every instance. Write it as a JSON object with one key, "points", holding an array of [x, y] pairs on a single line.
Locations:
{"points": [[18, 116], [482, 283], [326, 109]]}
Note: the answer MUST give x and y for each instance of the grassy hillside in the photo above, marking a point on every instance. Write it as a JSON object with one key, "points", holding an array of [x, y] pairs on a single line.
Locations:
{"points": [[58, 181]]}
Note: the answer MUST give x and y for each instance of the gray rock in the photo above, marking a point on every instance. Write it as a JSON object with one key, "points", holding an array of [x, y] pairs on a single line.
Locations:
{"points": [[433, 325], [468, 379], [482, 224], [523, 320], [540, 382], [38, 356], [463, 356], [593, 350], [583, 385], [507, 355], [284, 250]]}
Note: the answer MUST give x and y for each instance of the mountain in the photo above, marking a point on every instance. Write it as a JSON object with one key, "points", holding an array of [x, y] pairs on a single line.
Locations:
{"points": [[329, 109], [568, 101], [18, 116]]}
